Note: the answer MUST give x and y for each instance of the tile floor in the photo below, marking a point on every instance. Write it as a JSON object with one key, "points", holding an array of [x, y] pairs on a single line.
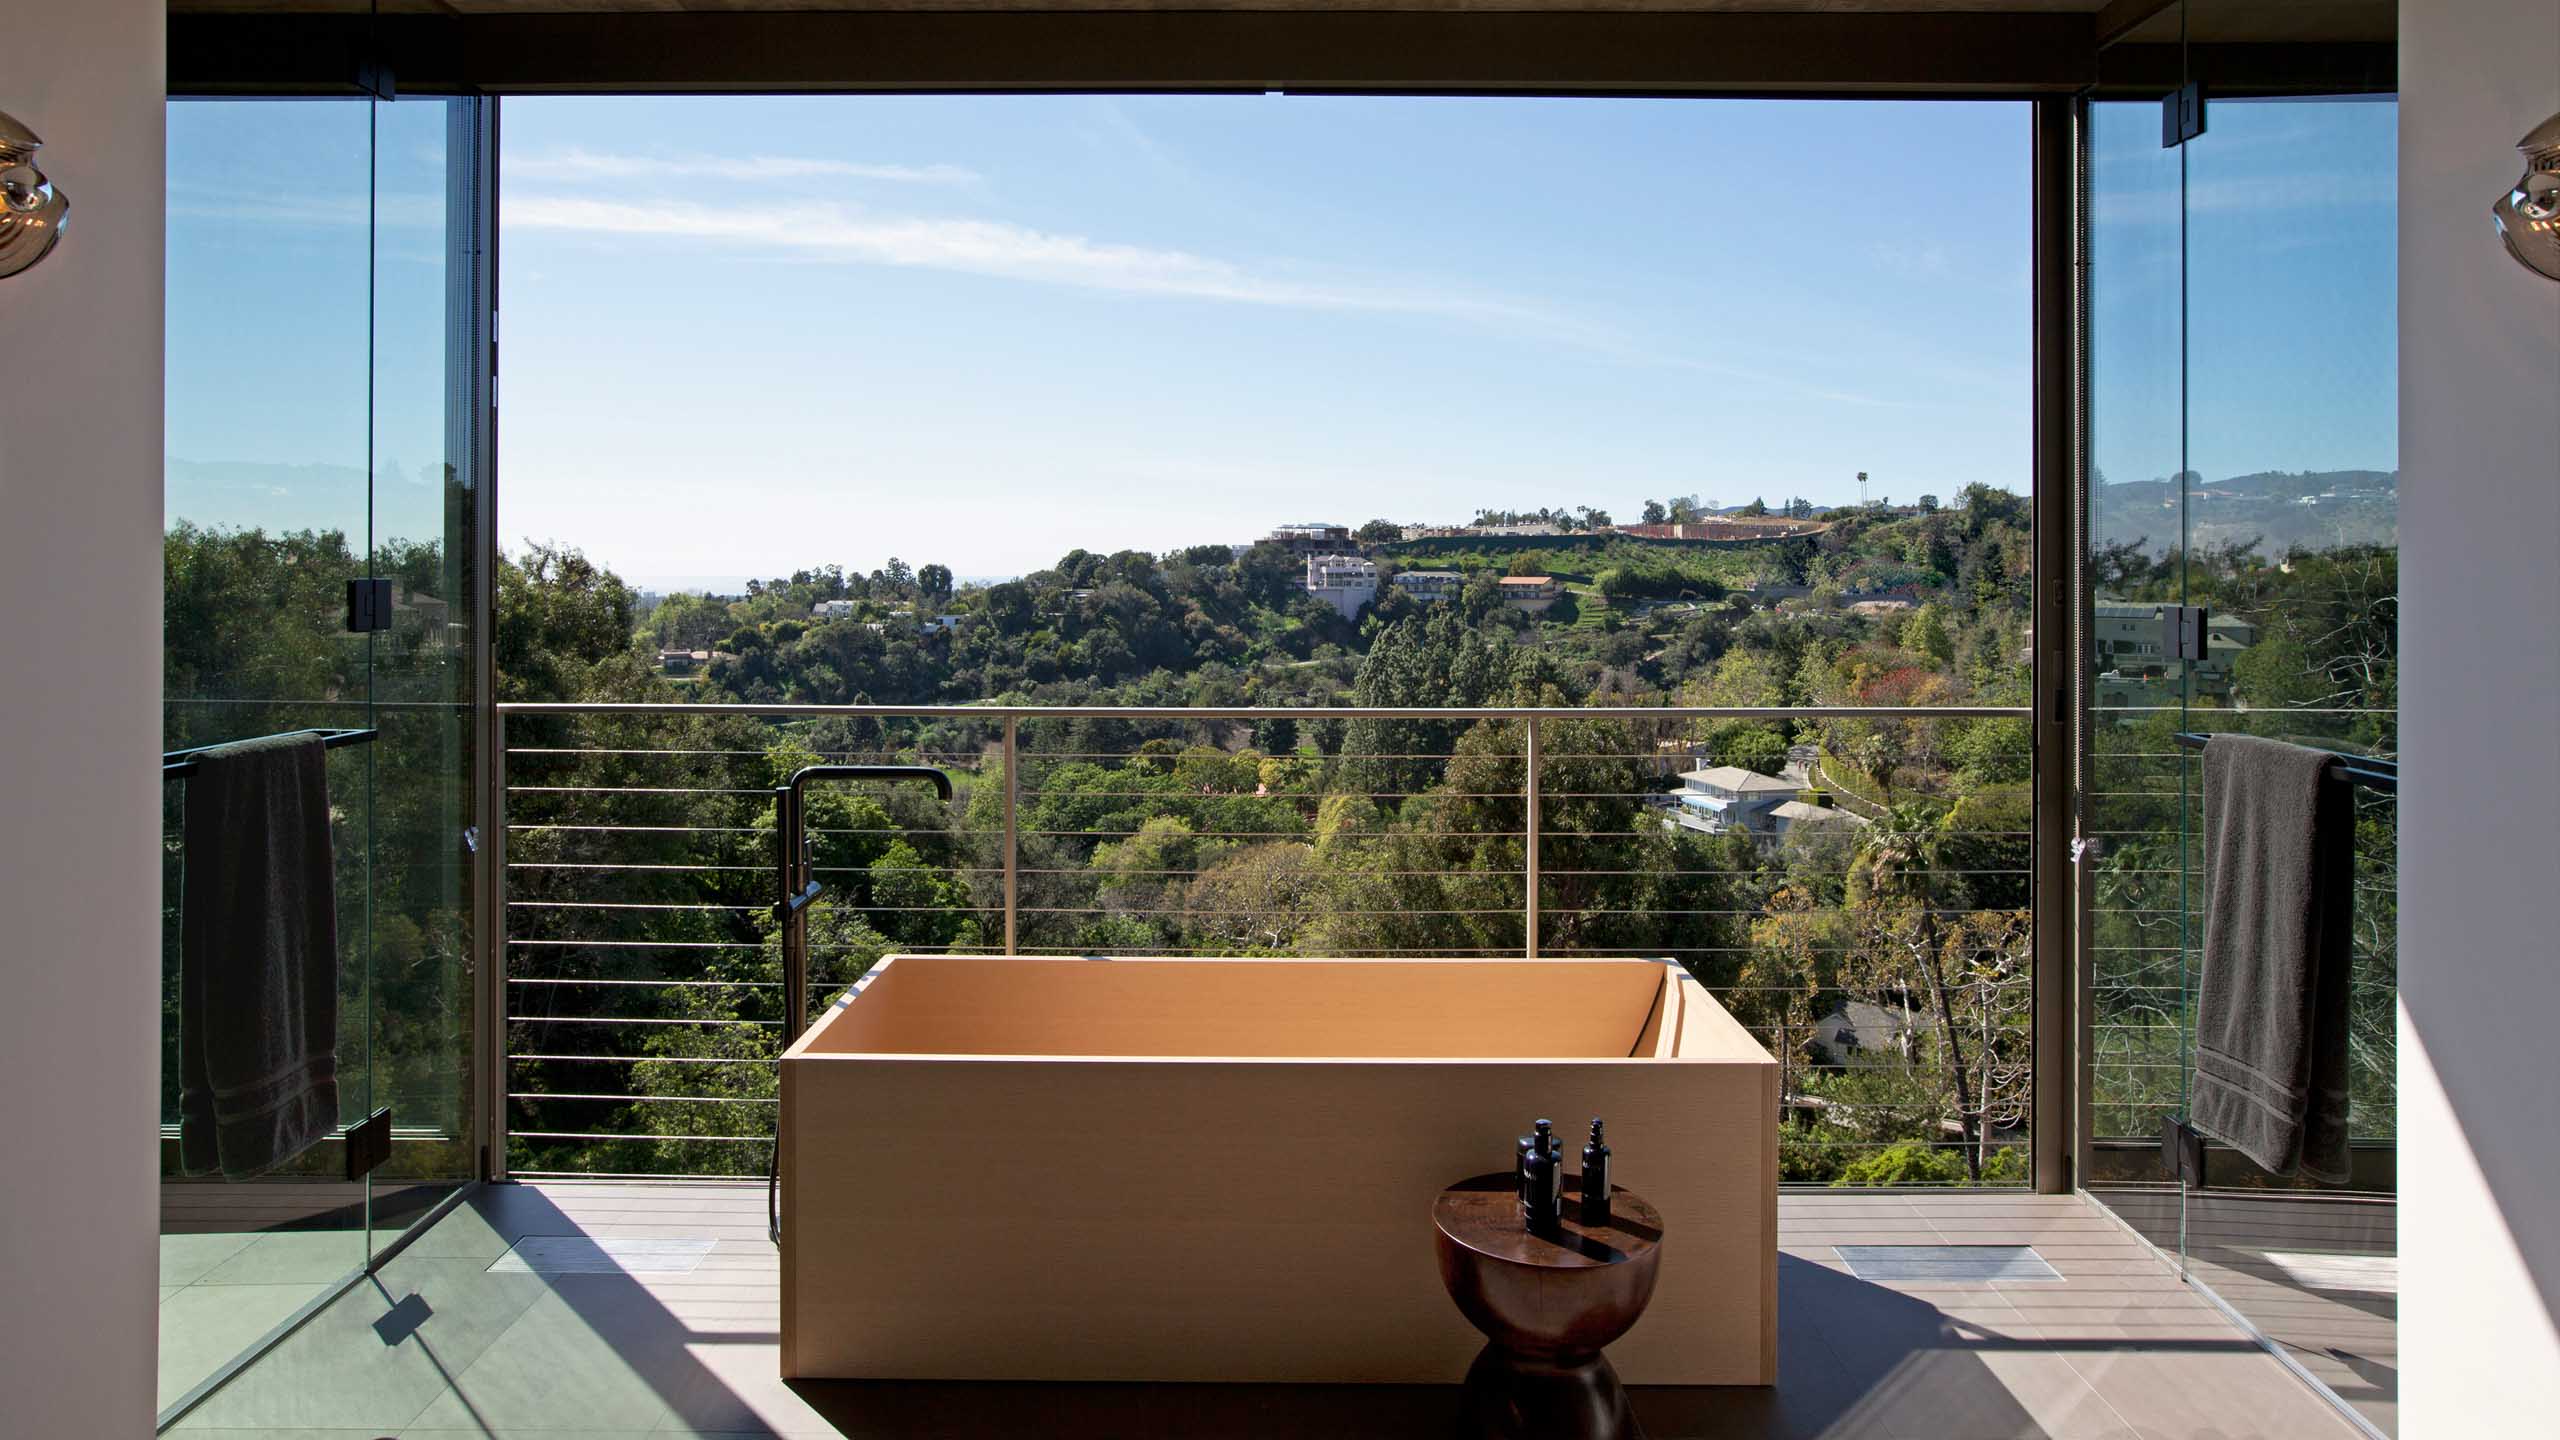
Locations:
{"points": [[2317, 1273], [439, 1345], [222, 1291]]}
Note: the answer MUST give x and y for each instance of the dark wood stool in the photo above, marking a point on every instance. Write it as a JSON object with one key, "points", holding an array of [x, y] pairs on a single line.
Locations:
{"points": [[1549, 1304]]}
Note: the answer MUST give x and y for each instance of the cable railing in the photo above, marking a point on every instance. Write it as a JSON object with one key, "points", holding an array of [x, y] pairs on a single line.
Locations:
{"points": [[1885, 961], [2145, 807]]}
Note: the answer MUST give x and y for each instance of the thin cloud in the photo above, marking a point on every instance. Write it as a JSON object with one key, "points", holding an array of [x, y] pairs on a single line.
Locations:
{"points": [[834, 234], [577, 163], [988, 247]]}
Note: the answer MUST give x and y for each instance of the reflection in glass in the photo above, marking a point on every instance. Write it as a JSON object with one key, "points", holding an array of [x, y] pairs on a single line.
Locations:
{"points": [[309, 288]]}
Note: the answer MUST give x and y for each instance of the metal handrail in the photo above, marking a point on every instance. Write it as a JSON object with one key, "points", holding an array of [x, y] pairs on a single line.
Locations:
{"points": [[1281, 712]]}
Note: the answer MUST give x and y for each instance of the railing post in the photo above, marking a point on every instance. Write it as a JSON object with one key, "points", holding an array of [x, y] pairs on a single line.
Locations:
{"points": [[2057, 1112], [1012, 836], [1529, 787], [791, 864], [494, 1068]]}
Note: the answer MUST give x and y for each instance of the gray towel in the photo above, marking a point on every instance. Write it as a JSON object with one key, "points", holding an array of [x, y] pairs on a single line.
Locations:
{"points": [[258, 989], [2271, 1022]]}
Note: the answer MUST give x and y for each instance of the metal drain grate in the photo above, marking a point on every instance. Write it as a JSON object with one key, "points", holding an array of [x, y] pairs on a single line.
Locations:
{"points": [[586, 1255], [1948, 1264]]}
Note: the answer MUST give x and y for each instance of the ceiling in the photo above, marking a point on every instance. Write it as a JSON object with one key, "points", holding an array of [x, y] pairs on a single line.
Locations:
{"points": [[1816, 47], [2140, 21]]}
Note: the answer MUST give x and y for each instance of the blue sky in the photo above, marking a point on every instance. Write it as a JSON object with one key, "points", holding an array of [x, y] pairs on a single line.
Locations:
{"points": [[2290, 261], [745, 335], [984, 330]]}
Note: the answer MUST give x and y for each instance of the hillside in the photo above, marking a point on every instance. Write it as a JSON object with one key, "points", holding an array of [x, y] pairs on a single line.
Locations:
{"points": [[2282, 511]]}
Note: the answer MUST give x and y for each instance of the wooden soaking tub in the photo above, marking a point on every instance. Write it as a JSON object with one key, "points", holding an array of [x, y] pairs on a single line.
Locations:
{"points": [[1160, 1169]]}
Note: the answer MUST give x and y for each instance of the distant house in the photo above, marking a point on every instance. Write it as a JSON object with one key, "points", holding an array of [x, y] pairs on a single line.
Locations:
{"points": [[1430, 585], [1883, 597], [1727, 798], [1726, 528], [431, 614], [1800, 817], [2136, 653], [682, 662], [1533, 593], [947, 624], [1860, 1030], [832, 610], [1312, 537], [1345, 582]]}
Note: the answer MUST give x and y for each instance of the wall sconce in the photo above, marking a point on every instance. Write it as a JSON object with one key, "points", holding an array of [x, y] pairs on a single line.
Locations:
{"points": [[31, 207], [2529, 215]]}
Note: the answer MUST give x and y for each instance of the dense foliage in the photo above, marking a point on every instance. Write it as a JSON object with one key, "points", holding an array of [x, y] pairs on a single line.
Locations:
{"points": [[1885, 955]]}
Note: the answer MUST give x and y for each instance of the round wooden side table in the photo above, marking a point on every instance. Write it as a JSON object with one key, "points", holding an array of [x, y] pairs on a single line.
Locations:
{"points": [[1548, 1305]]}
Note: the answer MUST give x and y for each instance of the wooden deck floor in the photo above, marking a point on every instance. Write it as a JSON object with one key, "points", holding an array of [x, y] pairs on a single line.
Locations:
{"points": [[441, 1345]]}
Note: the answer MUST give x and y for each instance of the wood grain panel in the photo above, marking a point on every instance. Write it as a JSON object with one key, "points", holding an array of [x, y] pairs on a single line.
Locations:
{"points": [[1241, 1219], [1384, 1009]]}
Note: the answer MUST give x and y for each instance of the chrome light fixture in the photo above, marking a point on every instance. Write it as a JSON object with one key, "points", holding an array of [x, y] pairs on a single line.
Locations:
{"points": [[32, 208], [2529, 215]]}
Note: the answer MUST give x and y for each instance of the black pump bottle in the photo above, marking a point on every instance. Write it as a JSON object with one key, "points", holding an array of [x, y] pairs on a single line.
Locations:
{"points": [[1595, 1178], [1542, 1182]]}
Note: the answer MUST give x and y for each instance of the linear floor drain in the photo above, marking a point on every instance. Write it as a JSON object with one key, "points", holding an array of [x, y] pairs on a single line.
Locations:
{"points": [[587, 1255], [1948, 1264]]}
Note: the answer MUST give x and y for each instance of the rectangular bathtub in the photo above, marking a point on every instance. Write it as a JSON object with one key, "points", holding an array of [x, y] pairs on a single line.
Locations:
{"points": [[1160, 1169]]}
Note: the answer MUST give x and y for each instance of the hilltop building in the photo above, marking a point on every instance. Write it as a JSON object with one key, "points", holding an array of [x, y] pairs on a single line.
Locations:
{"points": [[1533, 593], [1430, 585], [1313, 537], [1345, 582], [1726, 527]]}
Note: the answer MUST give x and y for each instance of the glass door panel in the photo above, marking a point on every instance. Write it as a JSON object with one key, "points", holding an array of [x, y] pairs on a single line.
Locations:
{"points": [[426, 429], [2137, 510], [268, 519], [2243, 455], [2293, 547], [325, 339]]}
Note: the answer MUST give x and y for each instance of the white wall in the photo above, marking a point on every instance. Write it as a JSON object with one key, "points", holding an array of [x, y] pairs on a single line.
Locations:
{"points": [[80, 484], [2480, 736]]}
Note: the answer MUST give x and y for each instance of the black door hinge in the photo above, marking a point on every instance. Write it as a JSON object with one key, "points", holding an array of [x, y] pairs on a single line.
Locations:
{"points": [[2182, 115], [2181, 1151], [368, 1144], [2184, 628], [368, 605]]}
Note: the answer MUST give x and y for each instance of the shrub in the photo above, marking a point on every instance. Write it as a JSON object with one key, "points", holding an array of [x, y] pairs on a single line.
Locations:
{"points": [[1904, 1162], [1808, 1158]]}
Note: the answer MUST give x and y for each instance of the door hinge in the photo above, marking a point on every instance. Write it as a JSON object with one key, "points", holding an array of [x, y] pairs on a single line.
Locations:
{"points": [[2181, 1151], [2184, 628], [368, 605], [368, 1144], [2182, 115]]}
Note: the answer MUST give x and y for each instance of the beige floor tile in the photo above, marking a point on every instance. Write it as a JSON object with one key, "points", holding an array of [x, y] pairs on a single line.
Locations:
{"points": [[185, 1258], [203, 1328], [2219, 1395]]}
